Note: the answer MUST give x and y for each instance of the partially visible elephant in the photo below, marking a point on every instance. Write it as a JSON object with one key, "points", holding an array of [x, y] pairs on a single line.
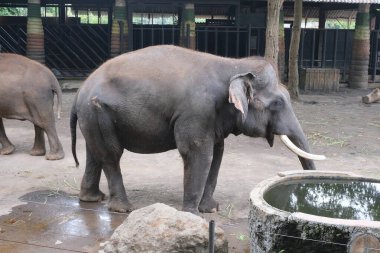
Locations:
{"points": [[166, 97], [27, 93]]}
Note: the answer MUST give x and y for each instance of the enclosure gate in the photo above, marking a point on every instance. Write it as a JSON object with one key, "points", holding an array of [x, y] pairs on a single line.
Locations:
{"points": [[13, 39], [76, 50]]}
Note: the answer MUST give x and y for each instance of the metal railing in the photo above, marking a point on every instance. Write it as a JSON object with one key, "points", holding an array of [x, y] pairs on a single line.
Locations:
{"points": [[13, 39], [76, 50]]}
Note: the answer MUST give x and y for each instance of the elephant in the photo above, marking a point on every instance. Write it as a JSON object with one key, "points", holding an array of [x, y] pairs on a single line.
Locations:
{"points": [[27, 93], [166, 97]]}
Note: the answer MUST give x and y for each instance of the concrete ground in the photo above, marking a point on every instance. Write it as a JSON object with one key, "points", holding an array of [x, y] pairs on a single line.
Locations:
{"points": [[38, 198]]}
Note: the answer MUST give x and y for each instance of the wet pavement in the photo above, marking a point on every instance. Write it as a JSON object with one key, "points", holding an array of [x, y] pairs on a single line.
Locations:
{"points": [[52, 221]]}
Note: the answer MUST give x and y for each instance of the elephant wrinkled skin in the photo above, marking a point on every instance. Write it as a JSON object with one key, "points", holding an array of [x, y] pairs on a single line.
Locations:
{"points": [[27, 93], [166, 97]]}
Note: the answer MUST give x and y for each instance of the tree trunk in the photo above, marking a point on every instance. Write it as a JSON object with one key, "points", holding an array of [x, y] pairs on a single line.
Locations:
{"points": [[293, 51], [119, 33], [360, 49], [272, 31], [35, 46], [281, 48], [188, 26]]}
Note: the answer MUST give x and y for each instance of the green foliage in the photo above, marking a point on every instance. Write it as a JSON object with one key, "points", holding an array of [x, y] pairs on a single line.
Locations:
{"points": [[340, 24], [13, 11]]}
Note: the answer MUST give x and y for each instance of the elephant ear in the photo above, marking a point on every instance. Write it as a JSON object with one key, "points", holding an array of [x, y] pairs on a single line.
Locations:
{"points": [[241, 92]]}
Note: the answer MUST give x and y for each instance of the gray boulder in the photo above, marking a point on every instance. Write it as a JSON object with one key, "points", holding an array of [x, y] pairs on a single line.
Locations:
{"points": [[161, 228]]}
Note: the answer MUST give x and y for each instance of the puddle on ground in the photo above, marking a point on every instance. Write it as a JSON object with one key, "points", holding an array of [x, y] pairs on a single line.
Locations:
{"points": [[355, 200], [56, 222]]}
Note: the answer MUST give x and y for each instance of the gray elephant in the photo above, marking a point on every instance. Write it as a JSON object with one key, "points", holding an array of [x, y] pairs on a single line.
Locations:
{"points": [[166, 97], [27, 93]]}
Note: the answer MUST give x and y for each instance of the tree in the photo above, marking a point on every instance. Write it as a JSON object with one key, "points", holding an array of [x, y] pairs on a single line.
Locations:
{"points": [[293, 51], [271, 36], [360, 49]]}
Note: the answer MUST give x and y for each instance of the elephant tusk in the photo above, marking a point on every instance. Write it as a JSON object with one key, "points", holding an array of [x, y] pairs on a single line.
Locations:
{"points": [[290, 145]]}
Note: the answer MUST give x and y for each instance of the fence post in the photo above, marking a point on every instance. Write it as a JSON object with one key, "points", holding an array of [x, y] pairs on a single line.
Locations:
{"points": [[122, 37], [211, 236], [119, 16], [187, 31], [187, 36], [249, 40], [35, 47], [374, 55]]}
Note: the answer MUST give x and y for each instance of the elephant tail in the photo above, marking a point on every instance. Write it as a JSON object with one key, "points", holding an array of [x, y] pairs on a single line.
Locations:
{"points": [[57, 89], [73, 128]]}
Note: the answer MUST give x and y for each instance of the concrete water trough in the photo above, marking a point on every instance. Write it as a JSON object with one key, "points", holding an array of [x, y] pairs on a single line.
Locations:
{"points": [[315, 211]]}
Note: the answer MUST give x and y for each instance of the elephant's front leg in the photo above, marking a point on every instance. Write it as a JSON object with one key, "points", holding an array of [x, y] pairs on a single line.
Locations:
{"points": [[7, 147], [197, 155], [208, 203]]}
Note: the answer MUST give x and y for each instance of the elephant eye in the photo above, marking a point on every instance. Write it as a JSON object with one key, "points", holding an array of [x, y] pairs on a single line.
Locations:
{"points": [[277, 104]]}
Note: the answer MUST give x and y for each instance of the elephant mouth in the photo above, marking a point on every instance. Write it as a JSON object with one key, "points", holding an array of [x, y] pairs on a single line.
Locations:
{"points": [[290, 145]]}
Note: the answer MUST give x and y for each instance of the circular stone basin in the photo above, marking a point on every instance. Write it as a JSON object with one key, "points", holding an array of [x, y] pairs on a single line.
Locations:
{"points": [[315, 211]]}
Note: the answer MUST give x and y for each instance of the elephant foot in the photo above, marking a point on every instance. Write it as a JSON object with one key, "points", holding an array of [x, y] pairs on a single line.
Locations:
{"points": [[37, 152], [88, 196], [55, 156], [7, 150], [191, 210], [117, 205], [209, 206]]}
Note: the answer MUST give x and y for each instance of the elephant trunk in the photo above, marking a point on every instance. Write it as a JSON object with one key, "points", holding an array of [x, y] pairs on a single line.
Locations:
{"points": [[299, 139]]}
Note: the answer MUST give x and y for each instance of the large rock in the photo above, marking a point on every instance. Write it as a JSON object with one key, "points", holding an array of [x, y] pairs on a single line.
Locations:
{"points": [[160, 228]]}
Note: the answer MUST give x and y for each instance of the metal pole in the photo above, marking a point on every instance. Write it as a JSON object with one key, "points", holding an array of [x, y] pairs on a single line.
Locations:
{"points": [[211, 243], [374, 55]]}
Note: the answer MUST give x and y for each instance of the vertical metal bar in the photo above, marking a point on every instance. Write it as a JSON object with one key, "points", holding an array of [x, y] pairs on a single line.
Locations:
{"points": [[335, 46], [237, 41], [162, 34], [258, 41], [130, 10], [300, 60], [374, 53], [188, 35], [313, 49], [211, 236], [142, 36], [206, 40], [226, 47], [173, 33], [324, 49], [249, 41], [216, 40], [345, 54], [152, 33]]}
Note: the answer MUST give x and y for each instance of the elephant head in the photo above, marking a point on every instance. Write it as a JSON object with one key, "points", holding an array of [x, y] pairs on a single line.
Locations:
{"points": [[265, 111]]}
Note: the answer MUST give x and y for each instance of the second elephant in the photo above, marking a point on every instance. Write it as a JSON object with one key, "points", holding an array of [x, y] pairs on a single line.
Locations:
{"points": [[27, 93]]}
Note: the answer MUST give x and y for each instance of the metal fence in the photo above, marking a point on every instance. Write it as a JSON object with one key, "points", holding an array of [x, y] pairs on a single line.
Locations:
{"points": [[150, 35], [76, 50], [325, 48], [13, 39]]}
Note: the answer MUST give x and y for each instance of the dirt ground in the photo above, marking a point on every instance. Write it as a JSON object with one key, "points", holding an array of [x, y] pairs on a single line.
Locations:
{"points": [[338, 125]]}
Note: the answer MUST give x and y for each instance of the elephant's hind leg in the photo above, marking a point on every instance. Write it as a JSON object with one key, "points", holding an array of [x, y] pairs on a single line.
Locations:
{"points": [[90, 191], [56, 151], [39, 142], [104, 152], [7, 147]]}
